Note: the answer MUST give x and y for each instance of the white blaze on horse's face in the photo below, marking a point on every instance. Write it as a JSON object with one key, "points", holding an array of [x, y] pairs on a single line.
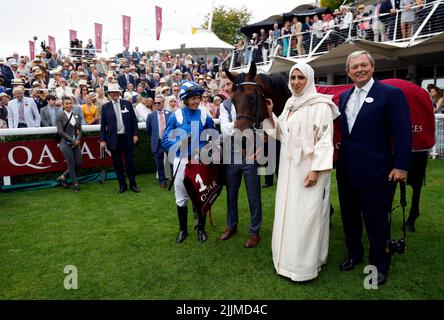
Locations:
{"points": [[298, 81]]}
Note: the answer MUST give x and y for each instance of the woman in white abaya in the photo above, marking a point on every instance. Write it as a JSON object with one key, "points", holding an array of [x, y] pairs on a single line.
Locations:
{"points": [[301, 223]]}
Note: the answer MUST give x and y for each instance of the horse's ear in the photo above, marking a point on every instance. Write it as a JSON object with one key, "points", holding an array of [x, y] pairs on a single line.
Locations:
{"points": [[253, 70], [231, 76]]}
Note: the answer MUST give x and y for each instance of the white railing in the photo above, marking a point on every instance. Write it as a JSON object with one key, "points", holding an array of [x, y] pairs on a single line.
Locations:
{"points": [[438, 148], [429, 21], [52, 130]]}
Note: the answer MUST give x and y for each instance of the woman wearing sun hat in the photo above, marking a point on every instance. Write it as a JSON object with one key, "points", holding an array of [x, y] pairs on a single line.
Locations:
{"points": [[181, 122]]}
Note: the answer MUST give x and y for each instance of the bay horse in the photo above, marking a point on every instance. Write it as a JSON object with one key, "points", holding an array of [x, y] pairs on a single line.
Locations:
{"points": [[251, 90]]}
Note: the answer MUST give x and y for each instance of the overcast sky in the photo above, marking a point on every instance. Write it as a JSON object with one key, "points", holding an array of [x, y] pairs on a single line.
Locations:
{"points": [[23, 19]]}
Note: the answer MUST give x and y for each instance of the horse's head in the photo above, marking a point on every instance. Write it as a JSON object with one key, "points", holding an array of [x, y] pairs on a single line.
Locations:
{"points": [[248, 99]]}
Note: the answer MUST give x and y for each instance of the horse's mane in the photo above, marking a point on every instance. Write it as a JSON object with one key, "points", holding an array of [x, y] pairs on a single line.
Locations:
{"points": [[275, 87]]}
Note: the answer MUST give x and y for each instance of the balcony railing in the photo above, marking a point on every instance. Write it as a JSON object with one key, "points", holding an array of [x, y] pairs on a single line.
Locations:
{"points": [[388, 28]]}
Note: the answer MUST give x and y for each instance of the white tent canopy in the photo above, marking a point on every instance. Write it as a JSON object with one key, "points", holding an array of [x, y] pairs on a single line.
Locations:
{"points": [[202, 43]]}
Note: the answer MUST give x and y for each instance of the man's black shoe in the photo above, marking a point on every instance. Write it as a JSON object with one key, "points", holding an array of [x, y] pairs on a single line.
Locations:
{"points": [[202, 236], [122, 189], [266, 185], [349, 264], [181, 236], [134, 189]]}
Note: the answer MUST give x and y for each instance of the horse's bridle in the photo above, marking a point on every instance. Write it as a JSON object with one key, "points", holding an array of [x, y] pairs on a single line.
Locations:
{"points": [[255, 118]]}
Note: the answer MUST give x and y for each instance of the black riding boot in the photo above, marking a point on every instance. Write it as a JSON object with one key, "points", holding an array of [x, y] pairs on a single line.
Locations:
{"points": [[182, 213], [201, 235]]}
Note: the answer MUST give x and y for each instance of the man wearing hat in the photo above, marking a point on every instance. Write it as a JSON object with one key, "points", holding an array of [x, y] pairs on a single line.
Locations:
{"points": [[22, 111], [118, 133], [66, 72], [133, 72], [63, 89], [14, 69], [55, 79]]}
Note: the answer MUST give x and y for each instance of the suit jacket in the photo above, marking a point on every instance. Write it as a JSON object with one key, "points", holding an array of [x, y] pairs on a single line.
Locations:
{"points": [[108, 128], [71, 133], [152, 128], [385, 8], [31, 113], [45, 116], [380, 140], [123, 83]]}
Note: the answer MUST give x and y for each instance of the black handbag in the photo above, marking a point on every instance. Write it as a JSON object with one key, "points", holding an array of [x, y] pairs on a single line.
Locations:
{"points": [[57, 136]]}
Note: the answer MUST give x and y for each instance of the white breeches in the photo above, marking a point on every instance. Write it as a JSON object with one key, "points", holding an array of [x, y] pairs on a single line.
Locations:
{"points": [[179, 188]]}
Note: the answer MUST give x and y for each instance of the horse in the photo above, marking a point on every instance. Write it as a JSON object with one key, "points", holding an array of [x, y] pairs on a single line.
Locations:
{"points": [[250, 94], [251, 91]]}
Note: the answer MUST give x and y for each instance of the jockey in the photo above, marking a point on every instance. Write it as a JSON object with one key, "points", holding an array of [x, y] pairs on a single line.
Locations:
{"points": [[184, 128]]}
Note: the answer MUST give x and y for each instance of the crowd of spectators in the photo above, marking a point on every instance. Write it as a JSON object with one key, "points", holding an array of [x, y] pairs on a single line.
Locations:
{"points": [[437, 95], [141, 76], [371, 22]]}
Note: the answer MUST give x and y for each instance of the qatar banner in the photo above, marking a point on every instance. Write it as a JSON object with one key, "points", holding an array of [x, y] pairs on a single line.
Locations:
{"points": [[72, 35], [38, 156], [52, 44], [158, 22], [98, 32], [126, 31], [31, 50]]}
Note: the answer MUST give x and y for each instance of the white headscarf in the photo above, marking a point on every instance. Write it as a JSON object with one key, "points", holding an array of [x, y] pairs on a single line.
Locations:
{"points": [[300, 140], [309, 94]]}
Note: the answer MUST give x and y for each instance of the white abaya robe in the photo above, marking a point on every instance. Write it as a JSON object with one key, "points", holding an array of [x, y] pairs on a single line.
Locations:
{"points": [[302, 214]]}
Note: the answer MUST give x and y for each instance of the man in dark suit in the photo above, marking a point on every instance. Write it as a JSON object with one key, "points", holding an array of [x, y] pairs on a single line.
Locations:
{"points": [[374, 153], [118, 133], [155, 127], [126, 78]]}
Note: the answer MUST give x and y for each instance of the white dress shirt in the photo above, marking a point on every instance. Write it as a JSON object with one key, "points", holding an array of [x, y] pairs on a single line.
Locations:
{"points": [[351, 102], [226, 126], [118, 111]]}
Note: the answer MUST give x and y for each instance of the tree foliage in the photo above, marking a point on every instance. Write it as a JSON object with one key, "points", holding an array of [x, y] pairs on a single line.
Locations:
{"points": [[332, 4], [227, 23]]}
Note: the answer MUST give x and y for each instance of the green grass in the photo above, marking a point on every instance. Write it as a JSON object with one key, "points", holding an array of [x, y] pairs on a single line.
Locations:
{"points": [[124, 248]]}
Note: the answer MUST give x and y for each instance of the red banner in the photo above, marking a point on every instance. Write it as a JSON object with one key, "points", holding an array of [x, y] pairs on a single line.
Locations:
{"points": [[126, 31], [38, 156], [72, 35], [98, 31], [158, 22], [31, 50], [52, 44]]}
